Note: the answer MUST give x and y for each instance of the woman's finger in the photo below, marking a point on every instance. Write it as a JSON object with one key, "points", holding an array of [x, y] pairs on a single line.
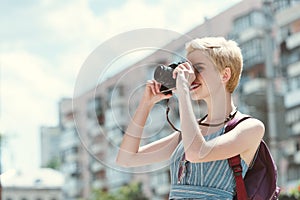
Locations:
{"points": [[158, 87], [150, 83]]}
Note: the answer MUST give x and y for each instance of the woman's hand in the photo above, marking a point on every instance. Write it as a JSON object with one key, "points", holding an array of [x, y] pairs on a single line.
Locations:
{"points": [[152, 94], [184, 75]]}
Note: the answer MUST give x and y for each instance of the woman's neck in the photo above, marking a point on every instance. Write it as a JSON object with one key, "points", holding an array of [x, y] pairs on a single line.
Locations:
{"points": [[219, 108]]}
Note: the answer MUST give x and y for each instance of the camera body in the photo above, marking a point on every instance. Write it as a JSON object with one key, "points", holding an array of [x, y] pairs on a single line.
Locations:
{"points": [[164, 75]]}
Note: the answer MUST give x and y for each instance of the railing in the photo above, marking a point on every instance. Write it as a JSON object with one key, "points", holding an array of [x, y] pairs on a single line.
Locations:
{"points": [[255, 85]]}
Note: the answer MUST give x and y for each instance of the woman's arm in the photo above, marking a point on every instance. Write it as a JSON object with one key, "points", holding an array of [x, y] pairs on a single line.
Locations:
{"points": [[130, 153], [244, 139]]}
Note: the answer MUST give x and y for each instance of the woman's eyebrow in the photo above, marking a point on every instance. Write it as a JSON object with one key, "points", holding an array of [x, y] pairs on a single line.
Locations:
{"points": [[198, 64]]}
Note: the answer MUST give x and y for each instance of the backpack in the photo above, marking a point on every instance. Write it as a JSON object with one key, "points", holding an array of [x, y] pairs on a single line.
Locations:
{"points": [[259, 182]]}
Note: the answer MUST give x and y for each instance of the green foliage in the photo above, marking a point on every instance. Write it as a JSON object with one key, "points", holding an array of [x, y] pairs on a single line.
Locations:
{"points": [[132, 191], [54, 163], [294, 194], [101, 195]]}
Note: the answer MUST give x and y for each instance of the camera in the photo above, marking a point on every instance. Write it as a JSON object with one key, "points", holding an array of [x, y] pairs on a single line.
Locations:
{"points": [[164, 75]]}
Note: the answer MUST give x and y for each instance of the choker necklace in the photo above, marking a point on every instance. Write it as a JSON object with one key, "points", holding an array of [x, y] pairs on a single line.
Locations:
{"points": [[230, 117]]}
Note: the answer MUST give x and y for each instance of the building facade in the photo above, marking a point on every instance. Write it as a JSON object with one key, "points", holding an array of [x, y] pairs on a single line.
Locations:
{"points": [[42, 184], [287, 18], [72, 153], [268, 33], [50, 137]]}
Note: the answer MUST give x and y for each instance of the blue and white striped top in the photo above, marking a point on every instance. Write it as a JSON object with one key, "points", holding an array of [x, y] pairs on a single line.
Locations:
{"points": [[209, 180]]}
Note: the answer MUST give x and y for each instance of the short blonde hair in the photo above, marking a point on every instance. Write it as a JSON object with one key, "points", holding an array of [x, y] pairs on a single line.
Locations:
{"points": [[223, 53]]}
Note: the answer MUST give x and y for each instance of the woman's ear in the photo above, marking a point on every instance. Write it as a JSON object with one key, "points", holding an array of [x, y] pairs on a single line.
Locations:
{"points": [[226, 74]]}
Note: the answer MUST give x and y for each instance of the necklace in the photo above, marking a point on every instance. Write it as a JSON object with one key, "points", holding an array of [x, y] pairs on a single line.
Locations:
{"points": [[230, 117]]}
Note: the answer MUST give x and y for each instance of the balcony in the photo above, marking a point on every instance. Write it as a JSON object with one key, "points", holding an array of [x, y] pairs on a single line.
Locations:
{"points": [[72, 158], [95, 130], [116, 179], [116, 117], [96, 166], [296, 128], [69, 124], [297, 157], [118, 101], [254, 86], [293, 41], [294, 69], [290, 147], [71, 168], [97, 184], [292, 98], [69, 139], [288, 15], [250, 34], [97, 148], [72, 187]]}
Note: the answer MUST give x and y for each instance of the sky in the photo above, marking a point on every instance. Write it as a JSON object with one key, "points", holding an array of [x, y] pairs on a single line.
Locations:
{"points": [[44, 44]]}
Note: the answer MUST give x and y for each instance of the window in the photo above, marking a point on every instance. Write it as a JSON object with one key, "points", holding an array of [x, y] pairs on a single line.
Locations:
{"points": [[284, 4], [252, 19], [241, 23], [297, 146], [293, 116], [293, 172], [100, 110], [257, 19], [96, 110], [252, 52], [293, 83], [109, 96]]}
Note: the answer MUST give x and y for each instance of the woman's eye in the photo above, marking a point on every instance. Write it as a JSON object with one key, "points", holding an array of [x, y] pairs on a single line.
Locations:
{"points": [[198, 69]]}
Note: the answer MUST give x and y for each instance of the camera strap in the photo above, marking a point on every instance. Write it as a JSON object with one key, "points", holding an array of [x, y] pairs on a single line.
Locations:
{"points": [[167, 116]]}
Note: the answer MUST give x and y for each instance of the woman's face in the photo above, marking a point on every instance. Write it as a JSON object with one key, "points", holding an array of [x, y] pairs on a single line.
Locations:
{"points": [[208, 78]]}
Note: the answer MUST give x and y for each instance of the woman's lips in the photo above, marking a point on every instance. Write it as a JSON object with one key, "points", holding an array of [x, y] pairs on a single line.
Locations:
{"points": [[194, 86]]}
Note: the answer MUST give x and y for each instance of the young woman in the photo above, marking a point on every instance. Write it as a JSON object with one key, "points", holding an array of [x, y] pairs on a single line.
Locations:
{"points": [[199, 153]]}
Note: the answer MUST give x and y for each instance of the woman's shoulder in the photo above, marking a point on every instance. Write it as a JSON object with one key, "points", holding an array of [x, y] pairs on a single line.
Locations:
{"points": [[243, 116], [251, 130], [250, 123]]}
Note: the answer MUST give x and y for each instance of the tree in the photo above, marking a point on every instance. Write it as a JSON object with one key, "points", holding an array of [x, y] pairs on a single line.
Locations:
{"points": [[293, 194], [103, 195], [131, 191], [54, 163]]}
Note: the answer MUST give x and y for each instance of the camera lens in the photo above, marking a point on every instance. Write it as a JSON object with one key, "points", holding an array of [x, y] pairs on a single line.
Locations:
{"points": [[164, 75]]}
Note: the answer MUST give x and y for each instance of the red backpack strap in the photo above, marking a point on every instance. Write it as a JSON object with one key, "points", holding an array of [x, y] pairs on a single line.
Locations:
{"points": [[235, 162]]}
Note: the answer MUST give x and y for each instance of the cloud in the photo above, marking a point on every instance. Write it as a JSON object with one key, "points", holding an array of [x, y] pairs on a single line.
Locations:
{"points": [[30, 91], [46, 42], [70, 22], [73, 21]]}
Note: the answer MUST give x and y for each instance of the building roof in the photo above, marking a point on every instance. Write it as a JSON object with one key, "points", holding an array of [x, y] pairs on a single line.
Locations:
{"points": [[40, 179]]}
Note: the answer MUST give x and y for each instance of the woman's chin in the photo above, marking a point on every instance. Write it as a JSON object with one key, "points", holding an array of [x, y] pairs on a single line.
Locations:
{"points": [[195, 96]]}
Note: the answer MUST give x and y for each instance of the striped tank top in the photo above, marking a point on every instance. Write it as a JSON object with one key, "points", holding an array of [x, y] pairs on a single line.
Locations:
{"points": [[208, 180]]}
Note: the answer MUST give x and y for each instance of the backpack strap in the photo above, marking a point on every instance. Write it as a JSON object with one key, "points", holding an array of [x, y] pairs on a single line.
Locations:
{"points": [[235, 161], [235, 164]]}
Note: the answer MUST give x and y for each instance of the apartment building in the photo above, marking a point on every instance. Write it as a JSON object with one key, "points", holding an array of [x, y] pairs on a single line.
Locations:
{"points": [[93, 128], [50, 137], [72, 153], [287, 20], [104, 114]]}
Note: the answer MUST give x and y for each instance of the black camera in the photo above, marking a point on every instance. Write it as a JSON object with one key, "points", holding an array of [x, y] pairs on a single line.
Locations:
{"points": [[164, 75]]}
